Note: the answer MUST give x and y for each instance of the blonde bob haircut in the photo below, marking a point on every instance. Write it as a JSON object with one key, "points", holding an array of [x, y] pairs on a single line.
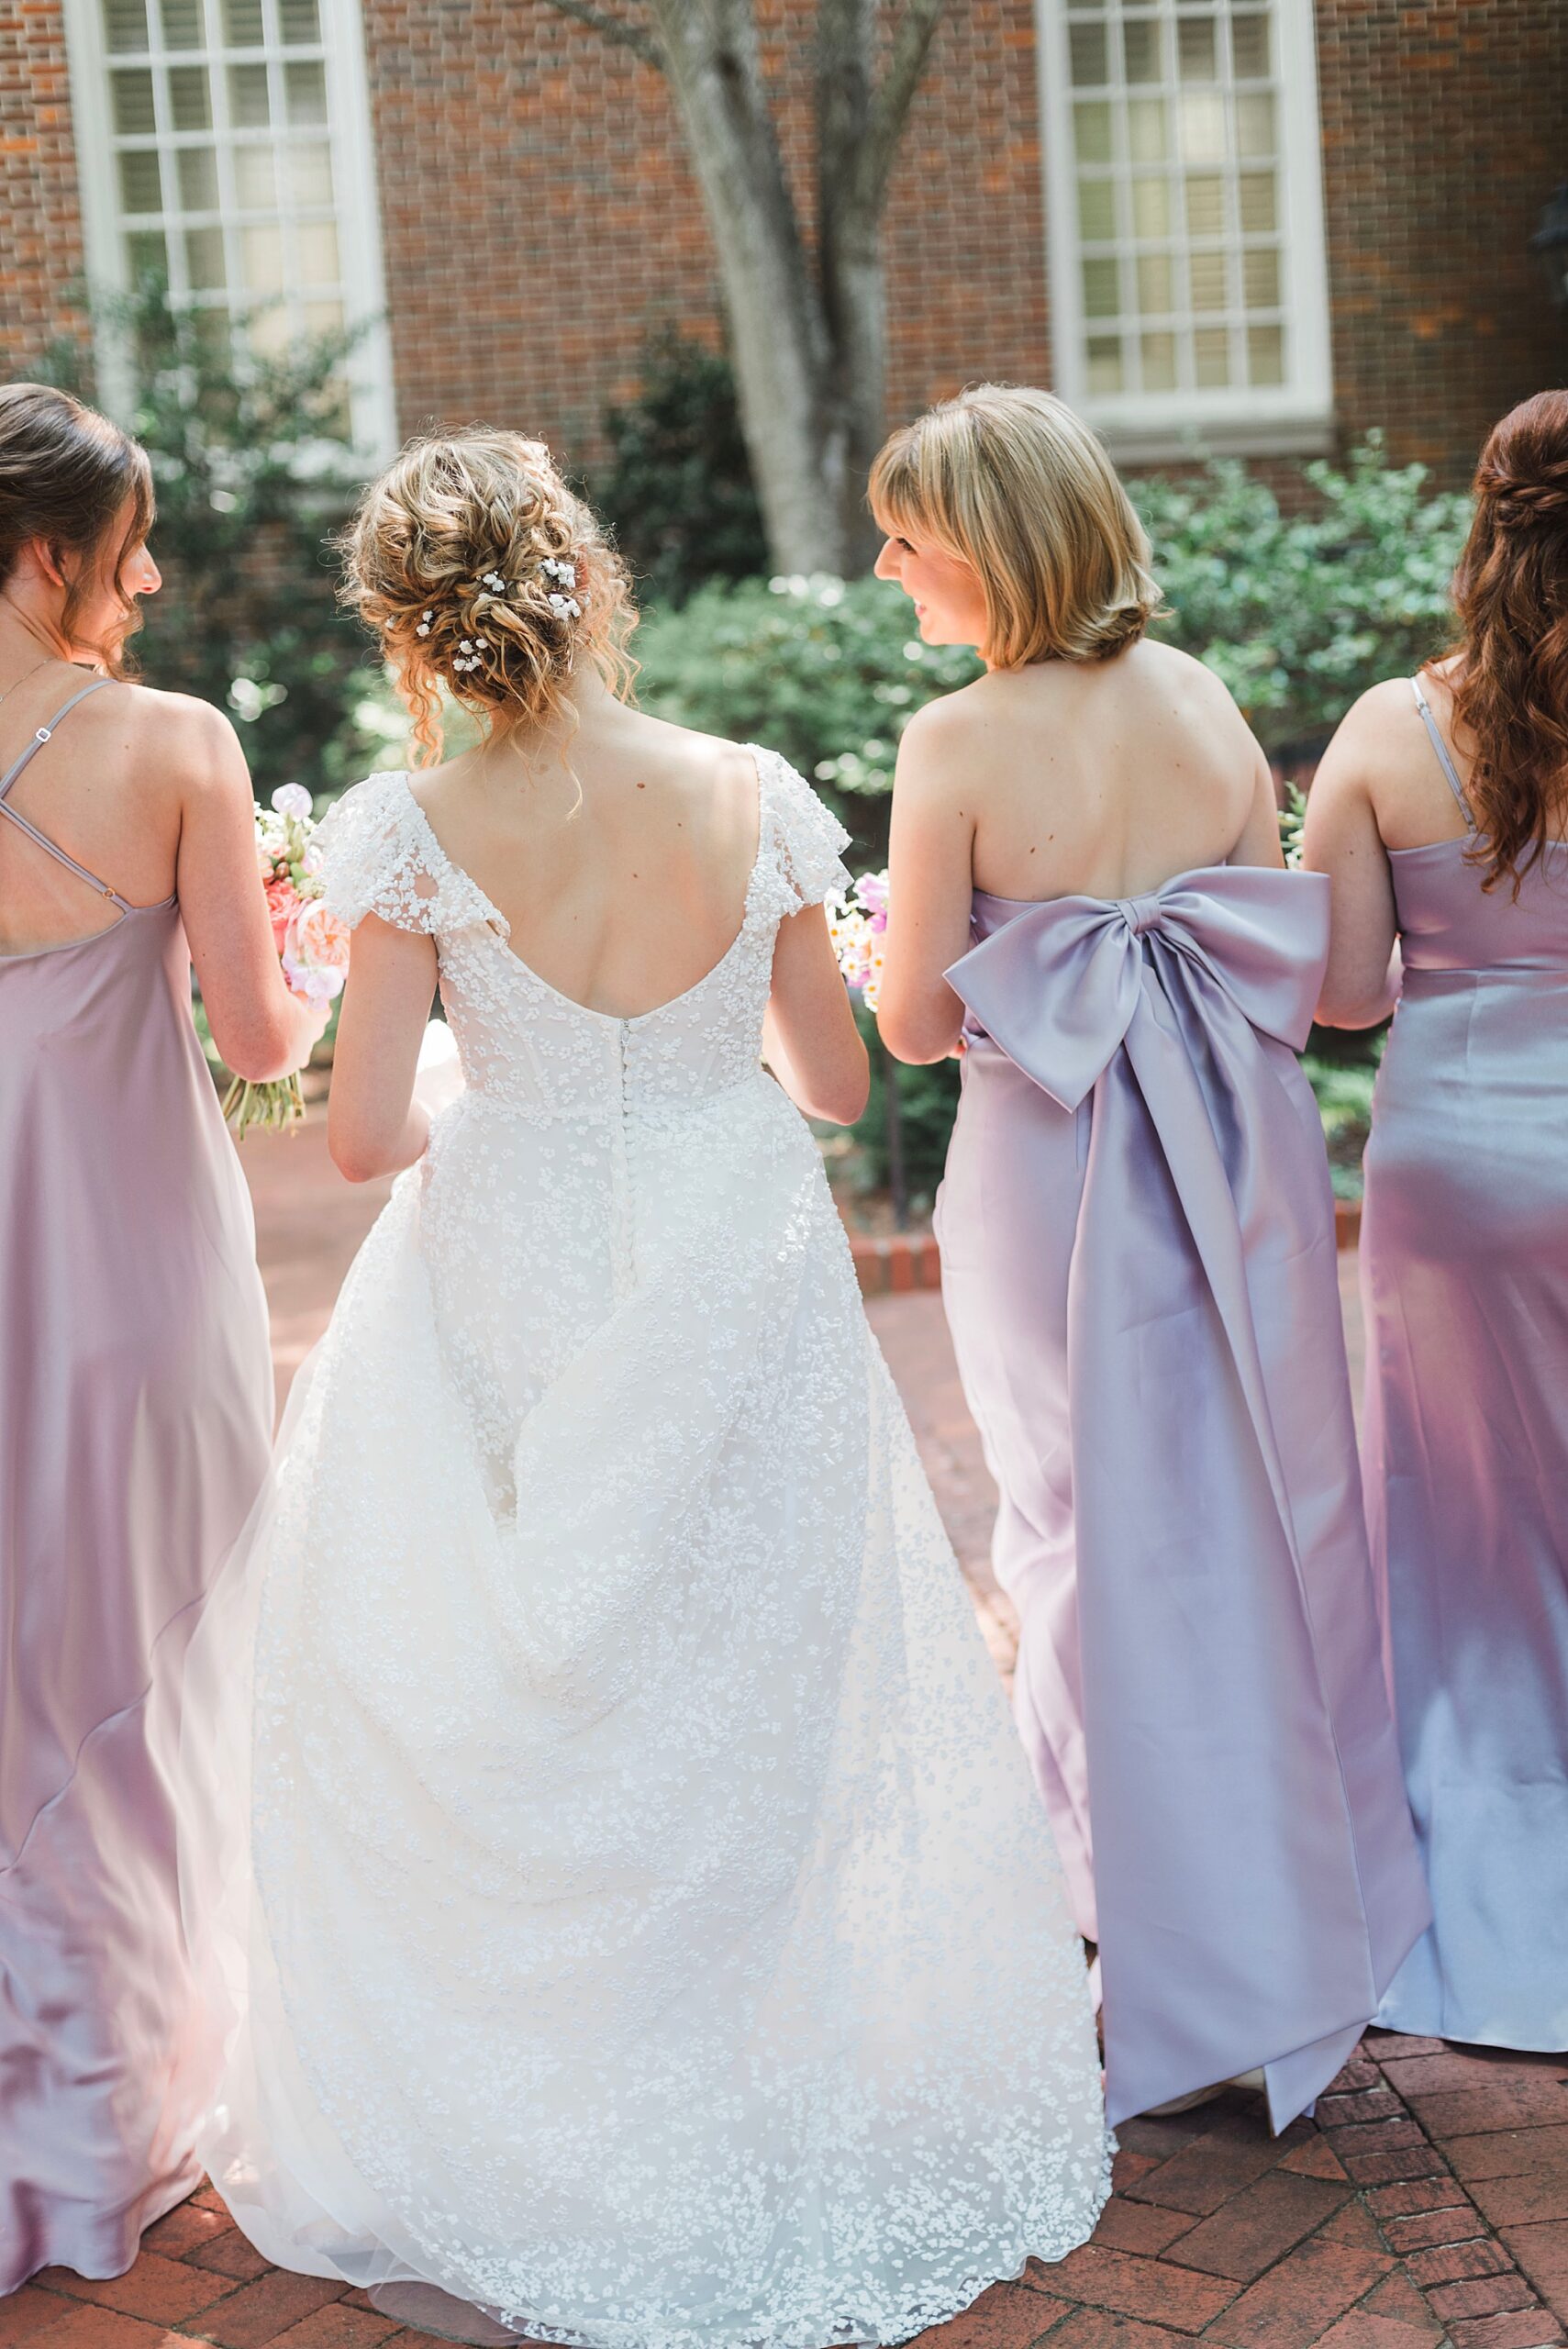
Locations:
{"points": [[1015, 485]]}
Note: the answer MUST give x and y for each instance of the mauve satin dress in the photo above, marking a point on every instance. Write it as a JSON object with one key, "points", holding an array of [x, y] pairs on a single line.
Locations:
{"points": [[1139, 1266], [1464, 1279], [135, 1421]]}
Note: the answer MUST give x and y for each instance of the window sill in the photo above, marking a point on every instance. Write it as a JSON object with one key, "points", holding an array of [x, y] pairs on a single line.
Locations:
{"points": [[1153, 442]]}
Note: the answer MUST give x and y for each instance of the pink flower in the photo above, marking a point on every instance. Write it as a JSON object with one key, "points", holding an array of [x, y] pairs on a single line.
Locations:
{"points": [[282, 904], [316, 952]]}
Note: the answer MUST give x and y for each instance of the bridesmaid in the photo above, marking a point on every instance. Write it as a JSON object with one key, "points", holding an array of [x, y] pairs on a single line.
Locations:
{"points": [[1439, 815], [1139, 1266], [135, 1388]]}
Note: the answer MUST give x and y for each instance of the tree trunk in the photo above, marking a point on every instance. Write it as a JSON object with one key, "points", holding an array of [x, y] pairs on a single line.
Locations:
{"points": [[808, 342], [850, 247], [780, 339]]}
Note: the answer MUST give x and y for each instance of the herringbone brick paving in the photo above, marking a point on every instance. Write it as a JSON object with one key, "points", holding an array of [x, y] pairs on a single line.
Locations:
{"points": [[1427, 2208]]}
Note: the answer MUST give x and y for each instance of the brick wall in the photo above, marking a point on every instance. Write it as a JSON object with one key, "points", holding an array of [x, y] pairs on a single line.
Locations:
{"points": [[1445, 126], [41, 225], [540, 221]]}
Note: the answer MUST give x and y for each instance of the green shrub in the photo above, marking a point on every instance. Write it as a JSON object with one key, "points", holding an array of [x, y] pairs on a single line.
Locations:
{"points": [[1343, 1089], [825, 671], [679, 496], [252, 473], [1299, 611]]}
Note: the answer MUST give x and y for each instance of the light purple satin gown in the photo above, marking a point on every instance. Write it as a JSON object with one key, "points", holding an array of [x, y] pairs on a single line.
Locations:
{"points": [[1138, 1265], [135, 1419], [1464, 1277]]}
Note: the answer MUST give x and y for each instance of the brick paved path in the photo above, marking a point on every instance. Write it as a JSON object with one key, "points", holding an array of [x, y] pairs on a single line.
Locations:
{"points": [[1428, 2207]]}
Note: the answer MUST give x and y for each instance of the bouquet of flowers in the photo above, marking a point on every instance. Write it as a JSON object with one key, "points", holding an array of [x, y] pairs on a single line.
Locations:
{"points": [[856, 923], [312, 943], [1292, 817]]}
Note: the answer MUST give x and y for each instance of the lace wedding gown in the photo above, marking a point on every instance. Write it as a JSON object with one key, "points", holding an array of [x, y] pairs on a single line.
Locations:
{"points": [[615, 1876]]}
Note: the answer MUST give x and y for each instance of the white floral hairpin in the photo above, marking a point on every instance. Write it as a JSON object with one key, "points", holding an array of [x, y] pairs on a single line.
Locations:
{"points": [[469, 652], [493, 580], [564, 606], [424, 626]]}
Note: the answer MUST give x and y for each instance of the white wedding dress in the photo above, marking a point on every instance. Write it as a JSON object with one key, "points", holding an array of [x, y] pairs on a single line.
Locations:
{"points": [[621, 1891]]}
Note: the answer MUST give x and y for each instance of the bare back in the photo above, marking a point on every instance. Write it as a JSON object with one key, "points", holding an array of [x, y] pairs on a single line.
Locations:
{"points": [[1105, 778], [620, 863], [106, 790]]}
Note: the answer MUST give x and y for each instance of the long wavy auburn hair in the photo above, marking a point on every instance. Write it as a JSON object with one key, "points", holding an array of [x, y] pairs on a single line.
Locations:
{"points": [[1511, 691]]}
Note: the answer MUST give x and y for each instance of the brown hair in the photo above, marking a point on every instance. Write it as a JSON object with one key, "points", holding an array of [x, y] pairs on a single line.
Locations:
{"points": [[1510, 690], [1015, 485], [483, 574], [66, 475]]}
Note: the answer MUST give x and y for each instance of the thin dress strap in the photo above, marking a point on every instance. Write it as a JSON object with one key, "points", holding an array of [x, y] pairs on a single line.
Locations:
{"points": [[42, 840], [1440, 747]]}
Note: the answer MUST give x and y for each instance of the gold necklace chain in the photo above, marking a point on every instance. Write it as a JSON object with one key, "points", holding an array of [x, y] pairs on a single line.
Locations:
{"points": [[22, 680]]}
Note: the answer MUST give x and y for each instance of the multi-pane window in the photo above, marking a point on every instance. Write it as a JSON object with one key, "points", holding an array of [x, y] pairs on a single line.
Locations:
{"points": [[1187, 210], [235, 153]]}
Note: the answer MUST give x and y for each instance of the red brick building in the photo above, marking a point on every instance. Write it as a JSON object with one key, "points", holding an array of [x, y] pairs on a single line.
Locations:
{"points": [[1262, 225]]}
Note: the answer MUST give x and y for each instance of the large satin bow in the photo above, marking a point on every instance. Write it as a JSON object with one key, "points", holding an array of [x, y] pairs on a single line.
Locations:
{"points": [[1057, 987]]}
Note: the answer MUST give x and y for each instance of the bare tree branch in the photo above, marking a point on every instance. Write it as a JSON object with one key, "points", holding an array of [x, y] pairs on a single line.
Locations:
{"points": [[912, 39], [616, 28]]}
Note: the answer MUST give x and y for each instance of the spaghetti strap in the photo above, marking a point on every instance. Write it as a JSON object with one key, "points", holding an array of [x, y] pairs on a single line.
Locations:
{"points": [[1444, 758], [42, 840]]}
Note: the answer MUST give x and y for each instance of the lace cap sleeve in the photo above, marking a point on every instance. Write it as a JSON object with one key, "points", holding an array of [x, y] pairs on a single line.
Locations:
{"points": [[808, 840], [380, 856]]}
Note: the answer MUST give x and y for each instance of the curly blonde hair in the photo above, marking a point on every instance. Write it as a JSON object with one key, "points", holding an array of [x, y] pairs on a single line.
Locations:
{"points": [[1015, 485], [486, 578]]}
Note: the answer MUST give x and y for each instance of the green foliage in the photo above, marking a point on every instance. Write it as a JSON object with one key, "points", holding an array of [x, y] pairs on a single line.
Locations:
{"points": [[928, 1103], [1300, 611], [827, 671], [1343, 1090], [679, 496], [253, 472]]}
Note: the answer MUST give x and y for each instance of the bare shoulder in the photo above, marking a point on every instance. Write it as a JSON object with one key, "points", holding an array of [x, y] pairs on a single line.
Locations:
{"points": [[1186, 686], [197, 745], [944, 738], [1382, 730], [172, 748], [716, 778]]}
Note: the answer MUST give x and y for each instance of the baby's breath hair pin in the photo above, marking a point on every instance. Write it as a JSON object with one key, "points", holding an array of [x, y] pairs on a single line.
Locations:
{"points": [[494, 582], [565, 606], [468, 653], [424, 626]]}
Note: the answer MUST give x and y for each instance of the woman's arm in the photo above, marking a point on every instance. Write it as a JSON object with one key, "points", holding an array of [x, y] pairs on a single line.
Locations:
{"points": [[929, 890], [260, 1027], [374, 1124], [1341, 838], [810, 1038]]}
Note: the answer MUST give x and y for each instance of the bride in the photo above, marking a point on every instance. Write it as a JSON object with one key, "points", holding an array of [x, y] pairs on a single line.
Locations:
{"points": [[619, 1891]]}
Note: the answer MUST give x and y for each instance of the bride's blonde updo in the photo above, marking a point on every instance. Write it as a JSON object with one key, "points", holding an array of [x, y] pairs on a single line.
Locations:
{"points": [[1011, 482], [484, 576]]}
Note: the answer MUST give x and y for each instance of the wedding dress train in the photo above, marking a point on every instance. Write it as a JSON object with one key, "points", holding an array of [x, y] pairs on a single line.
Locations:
{"points": [[618, 1883]]}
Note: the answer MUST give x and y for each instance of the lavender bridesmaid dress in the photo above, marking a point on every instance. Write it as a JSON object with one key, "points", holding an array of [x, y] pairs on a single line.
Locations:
{"points": [[134, 1417], [1464, 1276], [1138, 1265]]}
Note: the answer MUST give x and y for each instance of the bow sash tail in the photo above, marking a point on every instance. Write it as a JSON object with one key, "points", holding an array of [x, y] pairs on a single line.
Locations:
{"points": [[1255, 1867]]}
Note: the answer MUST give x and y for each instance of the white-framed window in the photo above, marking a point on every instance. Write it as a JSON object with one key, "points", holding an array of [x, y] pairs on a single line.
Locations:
{"points": [[225, 143], [1185, 220]]}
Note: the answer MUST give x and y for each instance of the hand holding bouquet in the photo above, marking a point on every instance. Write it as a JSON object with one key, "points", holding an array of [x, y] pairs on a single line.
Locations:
{"points": [[856, 924], [311, 941]]}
